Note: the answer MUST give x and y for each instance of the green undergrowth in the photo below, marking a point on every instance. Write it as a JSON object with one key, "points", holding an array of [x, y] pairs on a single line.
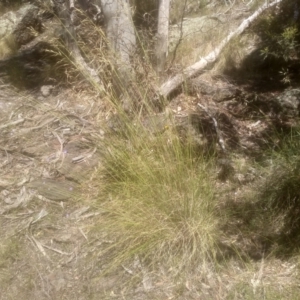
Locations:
{"points": [[268, 212], [281, 193], [159, 198]]}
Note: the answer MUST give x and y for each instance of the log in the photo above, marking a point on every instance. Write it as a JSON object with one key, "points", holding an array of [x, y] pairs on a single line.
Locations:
{"points": [[174, 83]]}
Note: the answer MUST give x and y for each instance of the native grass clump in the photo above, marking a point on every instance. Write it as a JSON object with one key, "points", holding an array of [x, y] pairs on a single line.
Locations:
{"points": [[159, 200]]}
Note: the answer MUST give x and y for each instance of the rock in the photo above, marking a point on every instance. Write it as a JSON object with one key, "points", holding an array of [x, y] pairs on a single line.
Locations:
{"points": [[46, 90], [192, 28], [28, 47], [218, 93], [31, 67], [17, 28], [289, 103]]}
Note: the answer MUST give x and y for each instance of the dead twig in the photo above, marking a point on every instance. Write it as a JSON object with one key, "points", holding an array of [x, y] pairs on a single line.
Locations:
{"points": [[61, 150], [26, 130], [12, 123], [38, 245], [56, 250]]}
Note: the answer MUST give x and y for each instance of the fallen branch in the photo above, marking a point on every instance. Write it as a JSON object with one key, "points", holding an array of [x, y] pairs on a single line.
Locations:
{"points": [[67, 17], [172, 84]]}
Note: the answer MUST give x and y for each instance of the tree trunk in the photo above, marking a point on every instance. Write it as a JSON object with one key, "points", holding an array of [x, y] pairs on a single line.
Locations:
{"points": [[162, 35], [121, 37], [174, 83]]}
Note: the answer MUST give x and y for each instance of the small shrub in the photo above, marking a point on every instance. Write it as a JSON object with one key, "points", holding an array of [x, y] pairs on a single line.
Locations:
{"points": [[280, 33]]}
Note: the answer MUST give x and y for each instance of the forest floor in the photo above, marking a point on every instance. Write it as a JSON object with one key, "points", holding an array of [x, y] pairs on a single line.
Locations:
{"points": [[52, 141], [49, 160]]}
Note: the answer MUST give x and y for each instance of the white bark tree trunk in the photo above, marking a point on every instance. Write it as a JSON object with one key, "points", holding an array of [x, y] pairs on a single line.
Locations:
{"points": [[162, 35], [119, 29], [172, 84]]}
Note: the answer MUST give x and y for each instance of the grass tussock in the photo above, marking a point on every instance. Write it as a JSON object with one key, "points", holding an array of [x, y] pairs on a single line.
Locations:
{"points": [[159, 200], [280, 194]]}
